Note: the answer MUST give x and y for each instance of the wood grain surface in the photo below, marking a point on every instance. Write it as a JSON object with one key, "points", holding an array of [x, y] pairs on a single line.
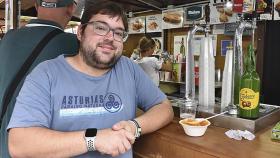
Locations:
{"points": [[172, 142]]}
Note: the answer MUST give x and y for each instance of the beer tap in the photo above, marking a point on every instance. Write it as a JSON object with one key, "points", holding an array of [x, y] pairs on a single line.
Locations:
{"points": [[237, 60], [190, 76]]}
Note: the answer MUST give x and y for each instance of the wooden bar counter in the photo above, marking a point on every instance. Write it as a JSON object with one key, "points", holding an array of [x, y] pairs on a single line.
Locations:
{"points": [[172, 142]]}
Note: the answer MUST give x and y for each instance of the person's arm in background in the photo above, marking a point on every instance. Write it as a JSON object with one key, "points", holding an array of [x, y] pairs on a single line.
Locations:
{"points": [[158, 64]]}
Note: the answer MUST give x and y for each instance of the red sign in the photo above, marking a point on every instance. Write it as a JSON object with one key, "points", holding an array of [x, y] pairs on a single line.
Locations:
{"points": [[238, 6]]}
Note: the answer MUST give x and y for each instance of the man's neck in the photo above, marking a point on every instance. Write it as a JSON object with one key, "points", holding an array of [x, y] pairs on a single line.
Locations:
{"points": [[61, 23], [78, 64]]}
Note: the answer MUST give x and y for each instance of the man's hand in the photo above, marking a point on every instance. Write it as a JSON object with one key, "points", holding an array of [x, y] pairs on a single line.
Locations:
{"points": [[126, 125], [113, 142]]}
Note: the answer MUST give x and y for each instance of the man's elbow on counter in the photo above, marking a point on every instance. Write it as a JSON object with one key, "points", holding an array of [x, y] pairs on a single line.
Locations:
{"points": [[170, 112], [171, 115], [16, 150]]}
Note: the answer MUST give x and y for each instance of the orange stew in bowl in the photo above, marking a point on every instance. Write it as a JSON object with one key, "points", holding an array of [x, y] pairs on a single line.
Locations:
{"points": [[194, 122]]}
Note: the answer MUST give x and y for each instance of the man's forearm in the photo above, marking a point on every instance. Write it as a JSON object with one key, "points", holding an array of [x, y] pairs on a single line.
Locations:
{"points": [[156, 117], [42, 142]]}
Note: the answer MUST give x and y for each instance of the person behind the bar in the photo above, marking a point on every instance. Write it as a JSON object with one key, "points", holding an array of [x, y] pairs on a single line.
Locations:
{"points": [[151, 65], [17, 45], [85, 105], [135, 54]]}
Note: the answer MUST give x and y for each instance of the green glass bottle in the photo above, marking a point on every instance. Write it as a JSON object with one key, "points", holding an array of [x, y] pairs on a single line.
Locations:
{"points": [[249, 94], [182, 48]]}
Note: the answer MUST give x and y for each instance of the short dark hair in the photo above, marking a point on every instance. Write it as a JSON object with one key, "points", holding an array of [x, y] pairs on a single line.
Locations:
{"points": [[103, 7]]}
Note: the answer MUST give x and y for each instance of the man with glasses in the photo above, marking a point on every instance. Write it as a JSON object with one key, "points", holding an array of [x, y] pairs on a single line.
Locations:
{"points": [[85, 105], [17, 45]]}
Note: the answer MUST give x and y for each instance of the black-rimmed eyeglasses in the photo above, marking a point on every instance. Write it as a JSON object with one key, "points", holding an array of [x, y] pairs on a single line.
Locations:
{"points": [[103, 29]]}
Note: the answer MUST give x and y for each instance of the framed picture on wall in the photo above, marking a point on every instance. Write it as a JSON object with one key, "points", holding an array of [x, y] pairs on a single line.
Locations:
{"points": [[136, 25], [196, 44], [159, 45], [172, 18], [154, 23], [177, 45], [276, 10], [265, 9], [224, 45]]}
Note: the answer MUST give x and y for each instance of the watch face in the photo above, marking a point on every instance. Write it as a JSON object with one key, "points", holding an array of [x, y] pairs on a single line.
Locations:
{"points": [[91, 132]]}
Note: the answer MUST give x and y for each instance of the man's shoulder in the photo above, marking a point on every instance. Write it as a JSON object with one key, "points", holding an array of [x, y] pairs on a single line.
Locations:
{"points": [[127, 65], [50, 64], [30, 33], [64, 36], [126, 60]]}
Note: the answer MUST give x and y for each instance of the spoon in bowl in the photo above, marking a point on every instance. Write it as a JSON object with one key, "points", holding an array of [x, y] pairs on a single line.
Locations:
{"points": [[207, 118], [216, 115]]}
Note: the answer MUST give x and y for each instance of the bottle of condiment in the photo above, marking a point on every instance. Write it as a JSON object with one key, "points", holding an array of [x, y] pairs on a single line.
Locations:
{"points": [[249, 95]]}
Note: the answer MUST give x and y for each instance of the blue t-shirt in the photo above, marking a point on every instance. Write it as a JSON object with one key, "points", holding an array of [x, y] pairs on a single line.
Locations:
{"points": [[57, 96]]}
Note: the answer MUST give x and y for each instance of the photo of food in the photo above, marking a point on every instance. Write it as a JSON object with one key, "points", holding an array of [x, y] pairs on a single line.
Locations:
{"points": [[172, 18], [264, 8], [221, 14], [262, 5], [153, 23], [228, 12], [224, 13], [277, 8], [223, 18], [136, 25]]}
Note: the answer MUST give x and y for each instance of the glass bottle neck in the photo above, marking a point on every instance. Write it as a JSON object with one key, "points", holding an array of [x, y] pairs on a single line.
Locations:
{"points": [[250, 62]]}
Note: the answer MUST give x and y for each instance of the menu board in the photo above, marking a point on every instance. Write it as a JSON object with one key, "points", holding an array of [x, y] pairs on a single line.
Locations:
{"points": [[264, 8], [172, 18], [194, 15], [220, 14], [276, 10], [153, 23], [136, 25]]}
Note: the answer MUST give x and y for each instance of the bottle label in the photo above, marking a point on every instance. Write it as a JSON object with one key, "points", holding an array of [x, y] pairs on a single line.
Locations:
{"points": [[249, 99]]}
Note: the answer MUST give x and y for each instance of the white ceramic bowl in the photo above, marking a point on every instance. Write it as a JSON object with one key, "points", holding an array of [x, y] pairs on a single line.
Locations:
{"points": [[194, 130]]}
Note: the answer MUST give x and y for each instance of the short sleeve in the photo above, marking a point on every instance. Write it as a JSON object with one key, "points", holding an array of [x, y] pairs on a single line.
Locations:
{"points": [[148, 94], [33, 106]]}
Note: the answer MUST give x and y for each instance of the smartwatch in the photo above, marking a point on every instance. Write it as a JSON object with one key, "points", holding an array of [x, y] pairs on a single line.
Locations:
{"points": [[90, 135]]}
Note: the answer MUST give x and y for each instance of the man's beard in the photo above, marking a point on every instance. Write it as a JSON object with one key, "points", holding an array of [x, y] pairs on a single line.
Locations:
{"points": [[91, 57]]}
